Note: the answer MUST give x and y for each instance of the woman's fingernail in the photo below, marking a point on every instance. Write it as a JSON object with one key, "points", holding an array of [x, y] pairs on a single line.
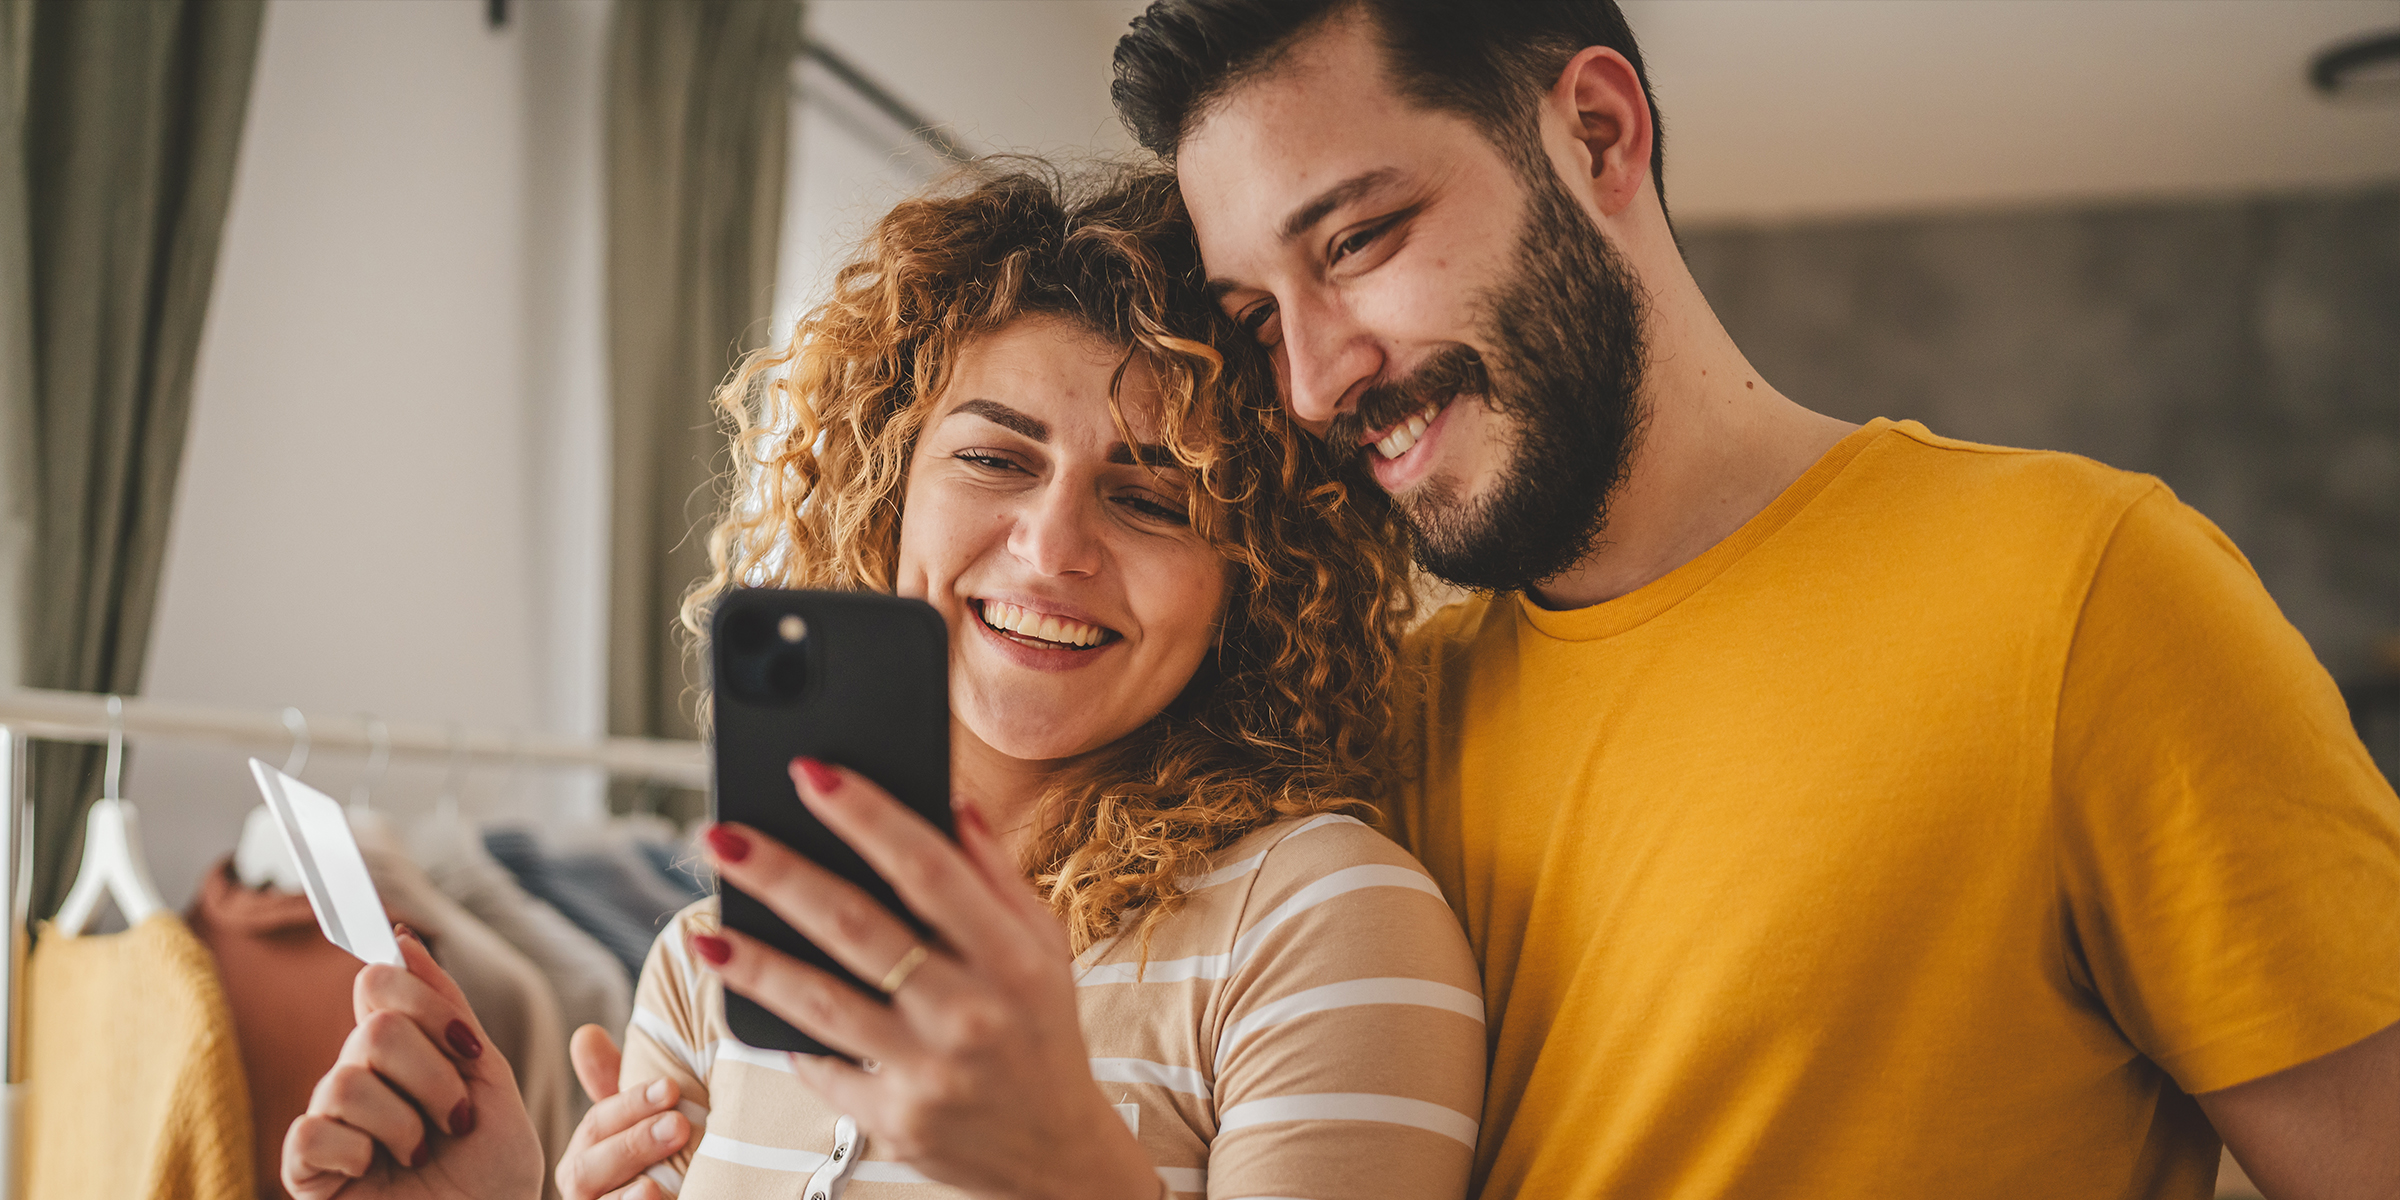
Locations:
{"points": [[822, 779], [728, 845], [462, 1119], [664, 1129], [401, 929], [656, 1093], [713, 948], [463, 1040], [969, 818], [417, 1157]]}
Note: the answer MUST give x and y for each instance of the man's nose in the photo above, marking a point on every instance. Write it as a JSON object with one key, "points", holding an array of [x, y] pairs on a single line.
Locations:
{"points": [[1057, 531], [1327, 358]]}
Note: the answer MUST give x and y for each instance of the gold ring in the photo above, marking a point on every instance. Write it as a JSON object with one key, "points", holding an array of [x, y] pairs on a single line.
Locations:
{"points": [[901, 970]]}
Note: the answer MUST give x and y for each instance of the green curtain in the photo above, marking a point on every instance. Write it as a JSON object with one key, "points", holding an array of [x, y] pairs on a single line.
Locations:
{"points": [[699, 97], [123, 119]]}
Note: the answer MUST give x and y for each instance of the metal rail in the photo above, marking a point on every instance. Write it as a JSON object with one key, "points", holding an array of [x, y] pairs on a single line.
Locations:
{"points": [[28, 713]]}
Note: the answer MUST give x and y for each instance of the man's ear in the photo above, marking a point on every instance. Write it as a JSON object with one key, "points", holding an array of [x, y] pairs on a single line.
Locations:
{"points": [[1599, 106]]}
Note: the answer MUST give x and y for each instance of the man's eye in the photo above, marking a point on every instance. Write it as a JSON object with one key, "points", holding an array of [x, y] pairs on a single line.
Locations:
{"points": [[1359, 241]]}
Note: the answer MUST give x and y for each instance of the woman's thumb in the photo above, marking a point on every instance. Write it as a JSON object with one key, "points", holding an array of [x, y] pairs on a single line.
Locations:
{"points": [[596, 1058]]}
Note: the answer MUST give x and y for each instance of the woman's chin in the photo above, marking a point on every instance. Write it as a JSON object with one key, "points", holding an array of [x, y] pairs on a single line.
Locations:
{"points": [[1029, 737]]}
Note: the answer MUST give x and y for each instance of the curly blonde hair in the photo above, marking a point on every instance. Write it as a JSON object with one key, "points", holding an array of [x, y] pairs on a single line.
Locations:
{"points": [[1284, 717]]}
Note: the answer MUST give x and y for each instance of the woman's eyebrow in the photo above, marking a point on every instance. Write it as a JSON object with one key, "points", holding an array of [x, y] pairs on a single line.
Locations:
{"points": [[1144, 455], [1005, 417]]}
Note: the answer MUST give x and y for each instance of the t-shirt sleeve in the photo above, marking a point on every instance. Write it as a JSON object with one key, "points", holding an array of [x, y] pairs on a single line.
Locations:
{"points": [[2230, 854], [668, 1037], [1350, 1040]]}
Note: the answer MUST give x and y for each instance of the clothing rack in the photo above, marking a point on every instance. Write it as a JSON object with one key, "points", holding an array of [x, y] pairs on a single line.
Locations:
{"points": [[28, 713]]}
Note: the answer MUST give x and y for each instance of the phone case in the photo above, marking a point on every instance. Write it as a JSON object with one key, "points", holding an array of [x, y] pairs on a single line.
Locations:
{"points": [[857, 679]]}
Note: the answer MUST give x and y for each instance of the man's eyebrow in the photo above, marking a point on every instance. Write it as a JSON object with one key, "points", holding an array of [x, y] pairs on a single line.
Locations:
{"points": [[1307, 215], [1317, 209], [1005, 417]]}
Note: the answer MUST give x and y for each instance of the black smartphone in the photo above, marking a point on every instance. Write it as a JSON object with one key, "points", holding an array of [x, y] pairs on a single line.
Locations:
{"points": [[857, 679]]}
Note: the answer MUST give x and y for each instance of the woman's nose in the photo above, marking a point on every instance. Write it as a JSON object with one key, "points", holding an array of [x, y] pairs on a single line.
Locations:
{"points": [[1058, 532]]}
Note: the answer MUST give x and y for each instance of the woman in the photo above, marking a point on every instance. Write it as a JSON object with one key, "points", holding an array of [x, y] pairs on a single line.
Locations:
{"points": [[1172, 626]]}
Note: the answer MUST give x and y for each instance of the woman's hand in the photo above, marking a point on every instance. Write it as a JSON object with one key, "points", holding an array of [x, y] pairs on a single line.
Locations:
{"points": [[981, 1079], [418, 1104], [618, 1139]]}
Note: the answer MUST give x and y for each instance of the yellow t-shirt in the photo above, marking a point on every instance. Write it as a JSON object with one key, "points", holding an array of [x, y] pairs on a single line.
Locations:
{"points": [[1933, 835]]}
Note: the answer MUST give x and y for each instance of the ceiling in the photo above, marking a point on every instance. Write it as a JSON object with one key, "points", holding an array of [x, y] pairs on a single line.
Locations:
{"points": [[1779, 109], [1794, 109]]}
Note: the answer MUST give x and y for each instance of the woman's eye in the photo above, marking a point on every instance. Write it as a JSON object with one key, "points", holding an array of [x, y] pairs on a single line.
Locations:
{"points": [[1255, 319], [1154, 509], [989, 462]]}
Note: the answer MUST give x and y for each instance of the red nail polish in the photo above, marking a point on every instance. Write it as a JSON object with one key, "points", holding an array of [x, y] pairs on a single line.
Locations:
{"points": [[713, 948], [821, 778], [728, 845], [417, 1157], [462, 1119], [463, 1040]]}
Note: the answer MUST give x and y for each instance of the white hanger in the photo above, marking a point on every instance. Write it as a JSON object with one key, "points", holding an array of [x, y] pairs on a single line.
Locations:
{"points": [[442, 838], [112, 850], [261, 859]]}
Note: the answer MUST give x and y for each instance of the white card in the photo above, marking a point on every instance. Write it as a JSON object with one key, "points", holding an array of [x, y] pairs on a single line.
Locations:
{"points": [[348, 907]]}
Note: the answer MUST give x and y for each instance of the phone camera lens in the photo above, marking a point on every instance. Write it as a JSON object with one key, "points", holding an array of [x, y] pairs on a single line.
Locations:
{"points": [[791, 628]]}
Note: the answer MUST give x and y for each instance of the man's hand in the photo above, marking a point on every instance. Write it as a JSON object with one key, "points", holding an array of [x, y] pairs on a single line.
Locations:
{"points": [[2328, 1129], [619, 1138]]}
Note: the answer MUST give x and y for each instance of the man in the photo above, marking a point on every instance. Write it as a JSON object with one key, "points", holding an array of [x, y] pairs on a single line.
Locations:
{"points": [[1835, 810]]}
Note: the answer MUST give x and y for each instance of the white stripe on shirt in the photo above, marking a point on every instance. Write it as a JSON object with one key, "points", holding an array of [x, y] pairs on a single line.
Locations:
{"points": [[1350, 1106], [664, 1034], [1233, 871], [1142, 1070], [1173, 970], [1349, 994], [1185, 1179], [742, 1052], [1218, 966], [1346, 880]]}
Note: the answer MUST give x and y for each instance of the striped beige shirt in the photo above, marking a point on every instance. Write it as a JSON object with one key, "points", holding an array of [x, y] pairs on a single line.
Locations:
{"points": [[1308, 1024]]}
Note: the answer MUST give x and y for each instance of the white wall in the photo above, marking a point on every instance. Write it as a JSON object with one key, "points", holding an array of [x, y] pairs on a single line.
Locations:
{"points": [[392, 498], [1027, 76]]}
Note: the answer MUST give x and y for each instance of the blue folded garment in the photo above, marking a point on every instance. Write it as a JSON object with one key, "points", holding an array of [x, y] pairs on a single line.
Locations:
{"points": [[590, 907]]}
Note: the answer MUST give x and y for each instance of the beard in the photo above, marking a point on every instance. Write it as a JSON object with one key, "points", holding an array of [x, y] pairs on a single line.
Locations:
{"points": [[1564, 370]]}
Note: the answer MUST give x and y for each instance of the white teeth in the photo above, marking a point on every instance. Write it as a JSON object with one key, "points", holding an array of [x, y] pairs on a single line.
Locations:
{"points": [[1043, 626], [1405, 435]]}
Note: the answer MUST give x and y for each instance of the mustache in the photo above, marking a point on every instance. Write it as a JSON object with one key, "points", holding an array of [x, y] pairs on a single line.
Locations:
{"points": [[1454, 370]]}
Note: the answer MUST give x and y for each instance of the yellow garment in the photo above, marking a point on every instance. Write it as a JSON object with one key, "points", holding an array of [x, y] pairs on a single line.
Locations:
{"points": [[1921, 839], [135, 1088]]}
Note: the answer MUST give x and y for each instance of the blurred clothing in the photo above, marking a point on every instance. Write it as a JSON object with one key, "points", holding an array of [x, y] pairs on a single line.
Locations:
{"points": [[135, 1079], [588, 904], [289, 993], [589, 983]]}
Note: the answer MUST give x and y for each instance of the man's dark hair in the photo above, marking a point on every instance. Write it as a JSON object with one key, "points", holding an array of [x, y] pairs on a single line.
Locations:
{"points": [[1489, 61]]}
